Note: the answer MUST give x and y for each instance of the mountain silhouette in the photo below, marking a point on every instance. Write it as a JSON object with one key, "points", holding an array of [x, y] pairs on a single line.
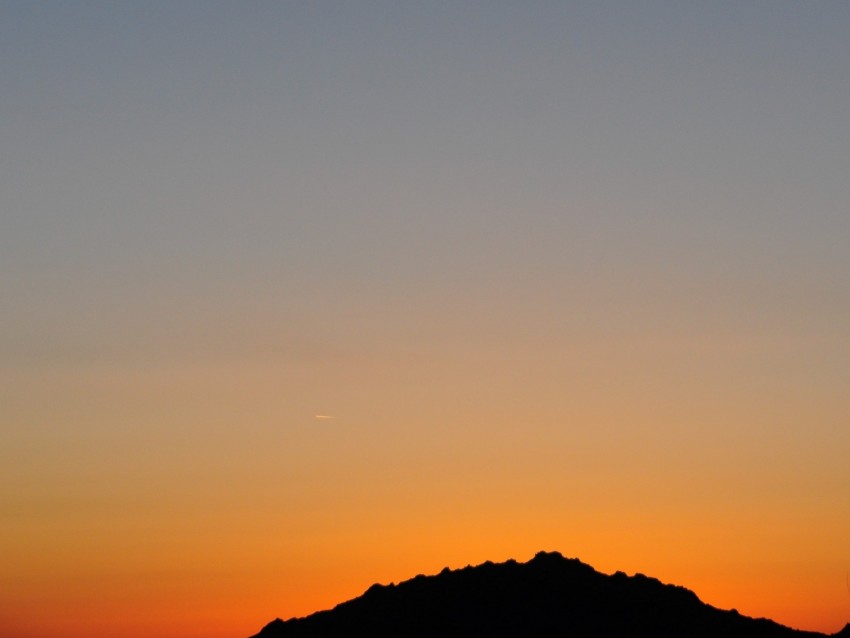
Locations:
{"points": [[548, 597]]}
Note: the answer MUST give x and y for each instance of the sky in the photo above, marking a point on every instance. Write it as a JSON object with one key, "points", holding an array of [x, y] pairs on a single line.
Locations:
{"points": [[302, 296]]}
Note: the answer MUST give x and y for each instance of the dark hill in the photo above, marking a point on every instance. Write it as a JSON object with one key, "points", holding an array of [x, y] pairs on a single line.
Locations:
{"points": [[550, 596]]}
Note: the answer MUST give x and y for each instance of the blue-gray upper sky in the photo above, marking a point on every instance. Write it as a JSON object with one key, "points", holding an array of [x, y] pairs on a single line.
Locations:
{"points": [[183, 150]]}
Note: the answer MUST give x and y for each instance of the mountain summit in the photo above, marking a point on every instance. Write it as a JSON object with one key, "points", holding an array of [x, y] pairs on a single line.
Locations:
{"points": [[548, 597]]}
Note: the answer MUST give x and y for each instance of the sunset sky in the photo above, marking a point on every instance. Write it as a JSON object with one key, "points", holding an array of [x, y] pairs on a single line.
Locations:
{"points": [[298, 297]]}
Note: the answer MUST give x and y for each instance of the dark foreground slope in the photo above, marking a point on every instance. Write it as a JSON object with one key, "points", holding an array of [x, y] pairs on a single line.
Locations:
{"points": [[549, 596]]}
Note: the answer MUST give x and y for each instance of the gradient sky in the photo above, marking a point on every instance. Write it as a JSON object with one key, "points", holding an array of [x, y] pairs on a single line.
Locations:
{"points": [[567, 276]]}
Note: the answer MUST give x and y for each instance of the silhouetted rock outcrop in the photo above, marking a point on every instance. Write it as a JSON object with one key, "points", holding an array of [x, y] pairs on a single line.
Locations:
{"points": [[844, 633], [548, 597]]}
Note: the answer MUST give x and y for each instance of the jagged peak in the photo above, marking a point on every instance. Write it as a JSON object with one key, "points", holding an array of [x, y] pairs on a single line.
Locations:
{"points": [[548, 596]]}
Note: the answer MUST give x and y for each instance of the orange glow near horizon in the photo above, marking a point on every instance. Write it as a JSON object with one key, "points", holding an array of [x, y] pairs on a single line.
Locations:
{"points": [[236, 582], [234, 607], [296, 518]]}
